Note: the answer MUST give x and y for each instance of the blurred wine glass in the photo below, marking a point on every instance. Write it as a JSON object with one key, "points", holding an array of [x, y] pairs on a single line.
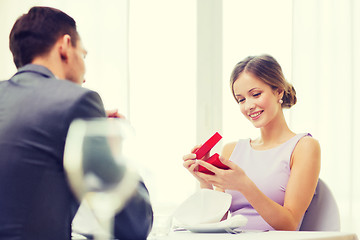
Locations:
{"points": [[98, 164]]}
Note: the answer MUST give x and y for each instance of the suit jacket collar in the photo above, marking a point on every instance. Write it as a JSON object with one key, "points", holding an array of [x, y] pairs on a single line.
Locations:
{"points": [[36, 69]]}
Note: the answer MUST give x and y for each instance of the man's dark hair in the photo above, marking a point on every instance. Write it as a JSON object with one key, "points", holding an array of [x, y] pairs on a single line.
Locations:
{"points": [[36, 32]]}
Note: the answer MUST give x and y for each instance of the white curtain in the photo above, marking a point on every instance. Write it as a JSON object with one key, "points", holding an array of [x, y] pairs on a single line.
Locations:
{"points": [[325, 72], [103, 28], [142, 60], [162, 95]]}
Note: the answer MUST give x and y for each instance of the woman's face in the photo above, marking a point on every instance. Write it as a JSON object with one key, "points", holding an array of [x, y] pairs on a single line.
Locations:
{"points": [[258, 101]]}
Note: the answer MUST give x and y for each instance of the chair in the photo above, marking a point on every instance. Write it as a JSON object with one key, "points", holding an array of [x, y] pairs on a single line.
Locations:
{"points": [[323, 212]]}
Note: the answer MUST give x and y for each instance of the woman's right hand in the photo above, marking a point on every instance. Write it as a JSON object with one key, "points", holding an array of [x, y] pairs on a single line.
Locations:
{"points": [[190, 163]]}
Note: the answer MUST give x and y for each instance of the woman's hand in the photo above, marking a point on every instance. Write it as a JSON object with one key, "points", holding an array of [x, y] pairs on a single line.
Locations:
{"points": [[233, 178], [191, 164]]}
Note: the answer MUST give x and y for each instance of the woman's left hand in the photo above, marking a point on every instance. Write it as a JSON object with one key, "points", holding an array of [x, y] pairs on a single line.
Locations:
{"points": [[233, 178]]}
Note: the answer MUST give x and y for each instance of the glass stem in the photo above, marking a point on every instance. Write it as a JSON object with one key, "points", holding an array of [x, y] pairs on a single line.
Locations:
{"points": [[107, 224]]}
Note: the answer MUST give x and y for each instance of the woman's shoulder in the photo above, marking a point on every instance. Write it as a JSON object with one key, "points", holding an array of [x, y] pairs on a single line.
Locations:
{"points": [[228, 148], [230, 145], [307, 149], [307, 141]]}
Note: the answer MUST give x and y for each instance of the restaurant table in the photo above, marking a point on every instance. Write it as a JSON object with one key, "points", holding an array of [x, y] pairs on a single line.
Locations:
{"points": [[252, 235]]}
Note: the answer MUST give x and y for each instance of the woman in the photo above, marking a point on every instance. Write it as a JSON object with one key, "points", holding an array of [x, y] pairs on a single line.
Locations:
{"points": [[272, 179]]}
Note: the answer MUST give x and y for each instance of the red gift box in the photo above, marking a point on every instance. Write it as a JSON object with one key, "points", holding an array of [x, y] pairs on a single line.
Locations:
{"points": [[214, 159], [208, 145]]}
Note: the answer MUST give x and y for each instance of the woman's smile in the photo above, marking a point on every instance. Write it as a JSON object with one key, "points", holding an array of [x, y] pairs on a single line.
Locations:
{"points": [[256, 115]]}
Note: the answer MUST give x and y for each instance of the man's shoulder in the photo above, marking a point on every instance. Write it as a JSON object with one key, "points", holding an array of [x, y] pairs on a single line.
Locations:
{"points": [[69, 87], [33, 75], [3, 82], [68, 93]]}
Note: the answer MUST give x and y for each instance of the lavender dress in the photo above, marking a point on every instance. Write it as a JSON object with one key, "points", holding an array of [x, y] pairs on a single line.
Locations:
{"points": [[269, 170]]}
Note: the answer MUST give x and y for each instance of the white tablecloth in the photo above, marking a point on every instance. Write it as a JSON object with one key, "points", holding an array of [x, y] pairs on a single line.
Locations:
{"points": [[272, 235]]}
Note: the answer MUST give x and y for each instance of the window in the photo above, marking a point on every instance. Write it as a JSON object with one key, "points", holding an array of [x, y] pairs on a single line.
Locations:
{"points": [[162, 93]]}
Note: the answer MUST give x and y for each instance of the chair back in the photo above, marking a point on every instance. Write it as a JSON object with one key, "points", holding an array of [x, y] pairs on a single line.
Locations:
{"points": [[323, 212]]}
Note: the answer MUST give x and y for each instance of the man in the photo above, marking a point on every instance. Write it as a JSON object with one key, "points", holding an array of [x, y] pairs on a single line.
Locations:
{"points": [[37, 106]]}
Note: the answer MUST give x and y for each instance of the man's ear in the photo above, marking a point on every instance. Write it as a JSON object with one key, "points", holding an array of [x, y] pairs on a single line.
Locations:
{"points": [[64, 47]]}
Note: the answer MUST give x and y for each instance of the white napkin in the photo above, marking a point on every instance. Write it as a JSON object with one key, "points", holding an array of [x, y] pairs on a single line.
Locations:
{"points": [[205, 206]]}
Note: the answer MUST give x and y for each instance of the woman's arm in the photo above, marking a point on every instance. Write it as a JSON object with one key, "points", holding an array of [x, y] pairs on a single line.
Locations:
{"points": [[226, 153], [305, 168]]}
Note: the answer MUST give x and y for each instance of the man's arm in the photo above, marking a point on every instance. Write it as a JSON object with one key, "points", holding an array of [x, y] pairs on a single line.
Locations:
{"points": [[135, 220], [89, 106]]}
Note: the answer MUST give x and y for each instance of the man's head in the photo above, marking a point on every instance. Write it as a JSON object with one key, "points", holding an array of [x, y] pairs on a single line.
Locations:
{"points": [[37, 33]]}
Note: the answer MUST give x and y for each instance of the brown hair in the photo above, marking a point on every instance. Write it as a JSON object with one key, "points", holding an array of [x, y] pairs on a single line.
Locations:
{"points": [[36, 32], [268, 70]]}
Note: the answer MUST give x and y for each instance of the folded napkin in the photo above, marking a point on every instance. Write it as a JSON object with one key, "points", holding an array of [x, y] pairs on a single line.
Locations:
{"points": [[205, 206]]}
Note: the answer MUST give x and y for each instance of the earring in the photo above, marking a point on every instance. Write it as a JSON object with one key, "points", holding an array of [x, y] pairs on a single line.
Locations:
{"points": [[281, 101]]}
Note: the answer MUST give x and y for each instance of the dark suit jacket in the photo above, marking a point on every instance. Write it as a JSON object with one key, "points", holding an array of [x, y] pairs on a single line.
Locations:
{"points": [[36, 110]]}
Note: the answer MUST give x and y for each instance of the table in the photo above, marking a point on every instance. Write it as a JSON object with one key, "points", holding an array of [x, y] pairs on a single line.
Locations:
{"points": [[271, 235]]}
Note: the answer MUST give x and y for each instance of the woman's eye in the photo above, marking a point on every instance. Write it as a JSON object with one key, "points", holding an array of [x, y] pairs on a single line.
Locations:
{"points": [[241, 100], [256, 94]]}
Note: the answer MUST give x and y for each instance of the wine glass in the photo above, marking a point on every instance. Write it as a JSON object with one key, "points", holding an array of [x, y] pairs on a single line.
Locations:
{"points": [[97, 161]]}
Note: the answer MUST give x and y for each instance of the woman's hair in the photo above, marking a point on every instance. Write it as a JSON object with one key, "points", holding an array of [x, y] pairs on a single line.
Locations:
{"points": [[268, 70], [36, 32]]}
